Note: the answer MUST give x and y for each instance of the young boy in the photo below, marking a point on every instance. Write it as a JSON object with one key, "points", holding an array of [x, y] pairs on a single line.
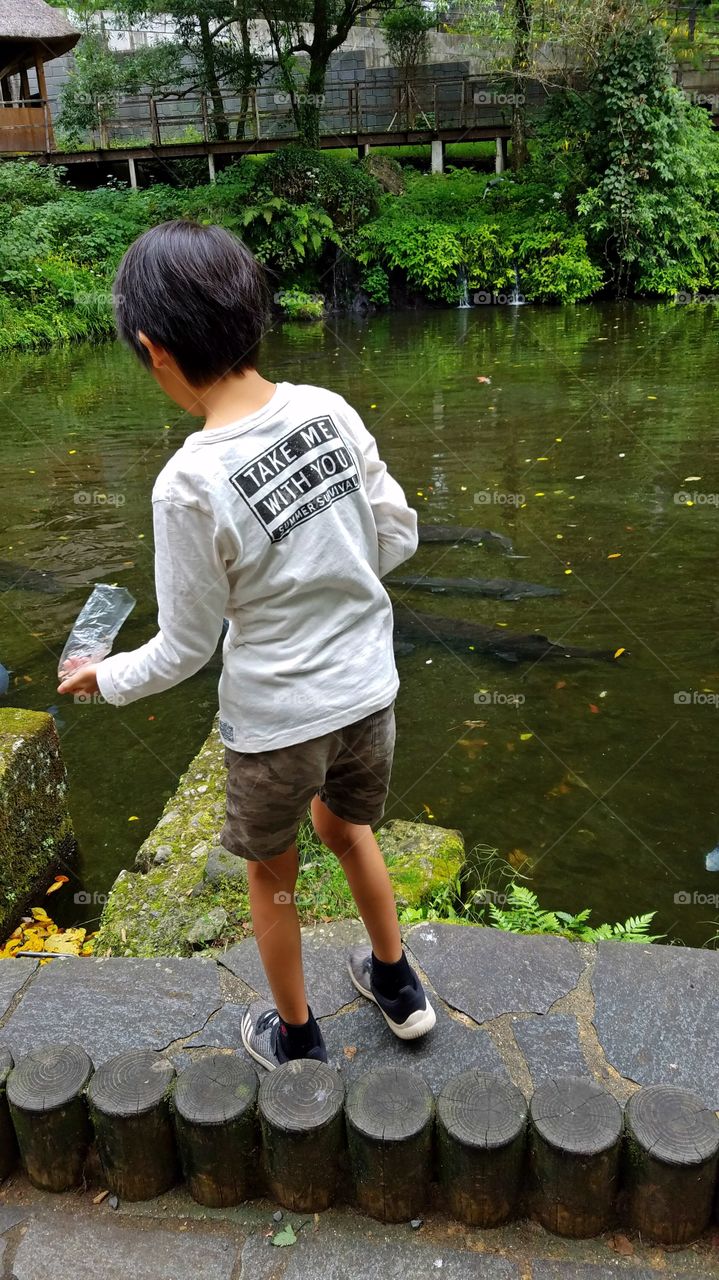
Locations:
{"points": [[280, 516]]}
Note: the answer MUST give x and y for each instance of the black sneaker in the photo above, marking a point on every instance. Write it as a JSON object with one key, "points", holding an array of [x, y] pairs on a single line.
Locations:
{"points": [[409, 1015], [261, 1037]]}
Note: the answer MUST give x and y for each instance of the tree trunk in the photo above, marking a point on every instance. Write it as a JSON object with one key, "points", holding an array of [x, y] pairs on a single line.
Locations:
{"points": [[520, 61], [311, 106], [208, 61]]}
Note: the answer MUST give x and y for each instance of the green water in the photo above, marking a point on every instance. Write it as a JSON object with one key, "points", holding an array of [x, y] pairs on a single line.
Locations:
{"points": [[604, 411]]}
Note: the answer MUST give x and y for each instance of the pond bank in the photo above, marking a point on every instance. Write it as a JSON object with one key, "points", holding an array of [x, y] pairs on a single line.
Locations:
{"points": [[187, 892], [525, 1010]]}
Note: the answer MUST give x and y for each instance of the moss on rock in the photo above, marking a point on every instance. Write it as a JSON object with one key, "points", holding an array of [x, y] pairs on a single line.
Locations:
{"points": [[161, 908], [35, 829], [422, 859]]}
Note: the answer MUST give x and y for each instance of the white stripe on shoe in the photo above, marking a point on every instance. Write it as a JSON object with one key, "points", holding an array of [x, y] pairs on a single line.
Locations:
{"points": [[416, 1025]]}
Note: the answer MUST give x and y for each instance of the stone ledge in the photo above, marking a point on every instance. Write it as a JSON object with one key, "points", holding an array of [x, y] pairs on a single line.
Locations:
{"points": [[184, 883]]}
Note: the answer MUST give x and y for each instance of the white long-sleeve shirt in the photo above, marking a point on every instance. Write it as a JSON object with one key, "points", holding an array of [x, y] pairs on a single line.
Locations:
{"points": [[283, 522]]}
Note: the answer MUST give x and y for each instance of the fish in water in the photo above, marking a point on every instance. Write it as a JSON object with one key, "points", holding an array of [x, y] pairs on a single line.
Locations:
{"points": [[17, 577], [493, 588], [4, 680], [711, 861], [510, 646], [455, 533]]}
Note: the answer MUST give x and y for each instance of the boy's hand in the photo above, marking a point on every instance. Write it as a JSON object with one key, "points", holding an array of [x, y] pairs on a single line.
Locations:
{"points": [[82, 681]]}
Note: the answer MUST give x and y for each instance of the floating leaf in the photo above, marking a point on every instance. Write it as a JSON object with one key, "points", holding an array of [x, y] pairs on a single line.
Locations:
{"points": [[615, 555], [524, 737], [594, 708], [618, 652]]}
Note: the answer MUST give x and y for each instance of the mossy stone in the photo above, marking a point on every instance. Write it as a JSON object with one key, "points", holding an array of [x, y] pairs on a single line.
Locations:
{"points": [[35, 829]]}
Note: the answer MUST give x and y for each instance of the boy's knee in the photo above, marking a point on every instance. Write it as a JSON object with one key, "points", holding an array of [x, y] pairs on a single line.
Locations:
{"points": [[338, 835]]}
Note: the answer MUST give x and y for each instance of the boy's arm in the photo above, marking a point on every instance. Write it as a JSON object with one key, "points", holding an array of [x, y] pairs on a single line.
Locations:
{"points": [[192, 591], [396, 522]]}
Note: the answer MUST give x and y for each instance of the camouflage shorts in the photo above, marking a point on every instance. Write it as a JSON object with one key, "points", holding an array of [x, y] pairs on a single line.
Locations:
{"points": [[268, 792]]}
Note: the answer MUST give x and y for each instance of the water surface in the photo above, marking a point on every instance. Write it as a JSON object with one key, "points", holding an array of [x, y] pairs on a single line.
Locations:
{"points": [[594, 418]]}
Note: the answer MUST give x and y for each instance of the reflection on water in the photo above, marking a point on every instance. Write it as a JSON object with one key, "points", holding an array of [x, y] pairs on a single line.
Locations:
{"points": [[571, 431]]}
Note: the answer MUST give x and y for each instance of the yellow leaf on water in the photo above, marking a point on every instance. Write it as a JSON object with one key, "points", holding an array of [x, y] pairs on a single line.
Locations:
{"points": [[56, 884], [615, 555], [524, 737], [39, 913], [618, 653], [133, 818]]}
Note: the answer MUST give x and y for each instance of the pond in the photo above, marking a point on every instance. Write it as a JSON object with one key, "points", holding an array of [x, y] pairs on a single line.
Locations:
{"points": [[571, 431]]}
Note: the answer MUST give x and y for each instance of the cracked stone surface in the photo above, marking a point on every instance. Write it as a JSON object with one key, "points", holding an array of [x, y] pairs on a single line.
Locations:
{"points": [[13, 974], [485, 973], [543, 1270], [346, 1260], [360, 1041], [657, 1015], [325, 964], [62, 1248], [114, 1004], [550, 1046]]}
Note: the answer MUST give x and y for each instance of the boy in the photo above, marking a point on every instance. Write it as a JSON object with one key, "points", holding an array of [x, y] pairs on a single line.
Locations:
{"points": [[280, 516]]}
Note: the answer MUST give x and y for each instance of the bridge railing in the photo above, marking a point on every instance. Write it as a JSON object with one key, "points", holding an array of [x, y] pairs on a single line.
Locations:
{"points": [[357, 107]]}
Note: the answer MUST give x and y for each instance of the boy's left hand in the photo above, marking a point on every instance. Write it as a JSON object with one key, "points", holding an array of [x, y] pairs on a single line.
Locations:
{"points": [[82, 681]]}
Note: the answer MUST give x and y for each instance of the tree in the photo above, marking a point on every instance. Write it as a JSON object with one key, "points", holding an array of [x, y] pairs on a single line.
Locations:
{"points": [[406, 29], [314, 28]]}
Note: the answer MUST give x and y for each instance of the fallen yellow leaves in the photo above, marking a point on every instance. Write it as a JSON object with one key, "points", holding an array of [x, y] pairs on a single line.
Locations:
{"points": [[38, 932]]}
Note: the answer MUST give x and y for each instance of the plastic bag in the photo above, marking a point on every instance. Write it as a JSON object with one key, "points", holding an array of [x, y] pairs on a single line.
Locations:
{"points": [[96, 627]]}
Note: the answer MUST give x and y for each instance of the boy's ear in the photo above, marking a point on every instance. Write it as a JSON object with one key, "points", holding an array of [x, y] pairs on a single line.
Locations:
{"points": [[158, 355]]}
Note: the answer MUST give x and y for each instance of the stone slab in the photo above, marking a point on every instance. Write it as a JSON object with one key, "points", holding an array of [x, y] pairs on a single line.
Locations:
{"points": [[356, 1258], [360, 1040], [324, 956], [13, 975], [107, 1005], [657, 1014], [66, 1247], [486, 973], [10, 1215], [545, 1270], [551, 1046], [222, 1030]]}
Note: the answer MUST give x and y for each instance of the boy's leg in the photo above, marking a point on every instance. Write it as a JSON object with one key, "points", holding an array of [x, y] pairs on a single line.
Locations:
{"points": [[367, 876], [277, 931]]}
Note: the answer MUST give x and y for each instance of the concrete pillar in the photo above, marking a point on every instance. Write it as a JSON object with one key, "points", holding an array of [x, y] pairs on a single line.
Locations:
{"points": [[437, 155], [363, 150], [499, 157], [211, 166], [133, 172]]}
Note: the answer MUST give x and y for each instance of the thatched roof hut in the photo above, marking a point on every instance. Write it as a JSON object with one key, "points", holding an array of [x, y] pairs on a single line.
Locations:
{"points": [[31, 34]]}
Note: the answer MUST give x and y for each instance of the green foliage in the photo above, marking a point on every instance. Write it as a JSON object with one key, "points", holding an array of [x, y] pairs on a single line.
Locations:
{"points": [[297, 305], [285, 234], [375, 283], [445, 226], [521, 913], [346, 192]]}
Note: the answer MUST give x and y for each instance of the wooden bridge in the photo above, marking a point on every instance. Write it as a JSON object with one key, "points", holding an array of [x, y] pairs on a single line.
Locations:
{"points": [[360, 114]]}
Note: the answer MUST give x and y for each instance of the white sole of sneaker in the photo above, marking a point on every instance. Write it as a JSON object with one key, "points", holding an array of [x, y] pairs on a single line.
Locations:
{"points": [[416, 1025], [245, 1032]]}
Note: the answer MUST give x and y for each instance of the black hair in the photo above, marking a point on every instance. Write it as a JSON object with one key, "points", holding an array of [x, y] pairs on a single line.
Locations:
{"points": [[198, 292]]}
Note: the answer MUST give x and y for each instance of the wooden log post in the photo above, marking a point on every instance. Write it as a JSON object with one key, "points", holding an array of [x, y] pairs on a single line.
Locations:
{"points": [[670, 1165], [216, 1127], [302, 1124], [8, 1141], [48, 1106], [575, 1142], [481, 1130], [129, 1098], [389, 1131]]}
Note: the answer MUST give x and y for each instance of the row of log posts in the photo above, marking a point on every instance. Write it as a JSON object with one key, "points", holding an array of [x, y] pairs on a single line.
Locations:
{"points": [[570, 1160]]}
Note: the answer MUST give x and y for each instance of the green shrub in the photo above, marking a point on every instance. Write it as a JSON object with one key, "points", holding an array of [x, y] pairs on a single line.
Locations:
{"points": [[297, 305]]}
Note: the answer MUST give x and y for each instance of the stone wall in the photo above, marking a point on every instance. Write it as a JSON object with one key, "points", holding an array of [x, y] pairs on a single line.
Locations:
{"points": [[35, 828]]}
